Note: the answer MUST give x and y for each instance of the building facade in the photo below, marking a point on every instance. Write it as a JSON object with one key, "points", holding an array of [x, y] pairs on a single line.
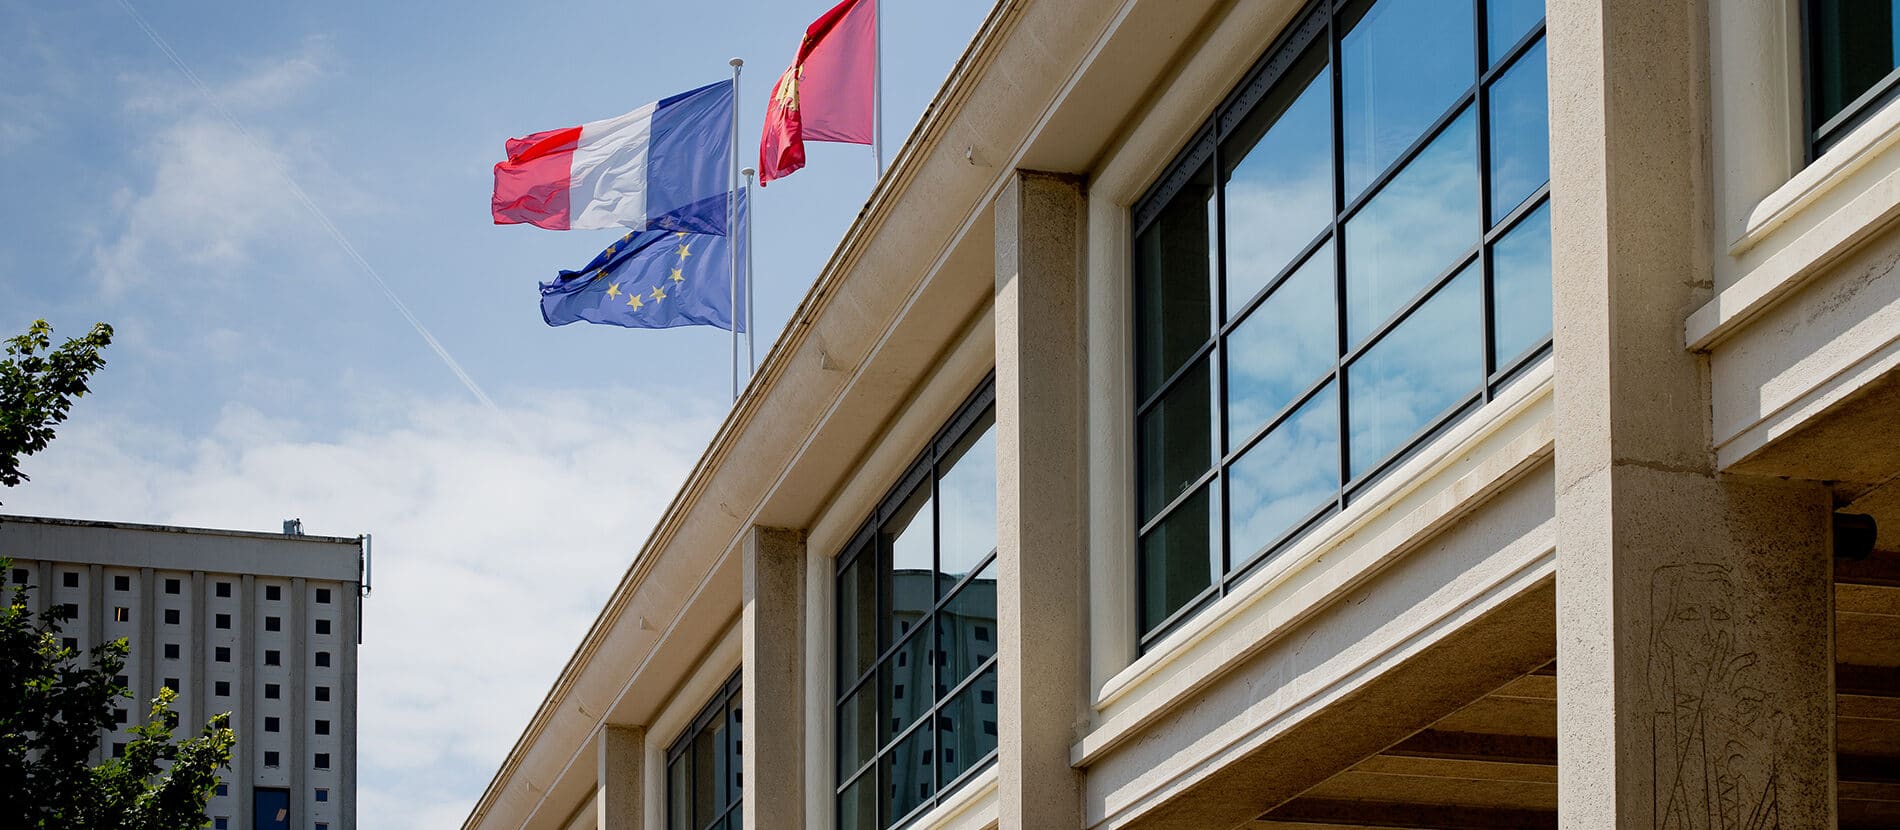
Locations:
{"points": [[262, 626], [1304, 414]]}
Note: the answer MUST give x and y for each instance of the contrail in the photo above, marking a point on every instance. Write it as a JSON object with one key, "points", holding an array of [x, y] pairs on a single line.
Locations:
{"points": [[322, 218]]}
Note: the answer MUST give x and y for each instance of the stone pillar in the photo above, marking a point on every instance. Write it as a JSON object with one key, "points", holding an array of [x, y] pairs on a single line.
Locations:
{"points": [[621, 776], [1042, 654], [1694, 646], [772, 677]]}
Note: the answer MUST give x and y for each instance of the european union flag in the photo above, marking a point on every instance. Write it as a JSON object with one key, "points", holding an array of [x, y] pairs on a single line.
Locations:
{"points": [[653, 280]]}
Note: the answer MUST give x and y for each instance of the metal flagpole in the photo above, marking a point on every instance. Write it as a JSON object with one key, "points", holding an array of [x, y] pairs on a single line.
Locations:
{"points": [[732, 219], [751, 353], [877, 88]]}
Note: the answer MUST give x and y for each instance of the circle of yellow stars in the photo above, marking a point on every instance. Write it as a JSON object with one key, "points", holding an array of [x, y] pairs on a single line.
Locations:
{"points": [[683, 250]]}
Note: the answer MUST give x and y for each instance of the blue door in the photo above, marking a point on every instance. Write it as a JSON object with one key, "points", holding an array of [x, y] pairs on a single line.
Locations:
{"points": [[272, 809]]}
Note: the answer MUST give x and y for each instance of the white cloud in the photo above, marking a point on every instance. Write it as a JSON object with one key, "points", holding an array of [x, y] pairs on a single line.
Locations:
{"points": [[494, 548]]}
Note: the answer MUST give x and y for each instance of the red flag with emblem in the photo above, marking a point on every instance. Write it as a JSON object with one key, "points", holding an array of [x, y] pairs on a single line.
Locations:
{"points": [[828, 94]]}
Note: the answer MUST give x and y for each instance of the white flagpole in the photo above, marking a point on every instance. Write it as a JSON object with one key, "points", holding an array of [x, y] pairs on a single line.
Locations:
{"points": [[752, 354], [877, 88], [732, 220]]}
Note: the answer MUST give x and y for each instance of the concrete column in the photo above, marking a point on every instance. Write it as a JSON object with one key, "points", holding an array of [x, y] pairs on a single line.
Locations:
{"points": [[621, 759], [1694, 627], [1042, 654], [772, 677]]}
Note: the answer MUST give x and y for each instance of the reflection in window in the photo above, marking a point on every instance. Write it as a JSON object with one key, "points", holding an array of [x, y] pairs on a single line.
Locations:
{"points": [[1310, 306], [917, 631], [703, 784], [1853, 64]]}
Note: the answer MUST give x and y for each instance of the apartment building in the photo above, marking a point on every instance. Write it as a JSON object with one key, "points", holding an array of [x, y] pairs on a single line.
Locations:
{"points": [[1303, 414], [261, 625]]}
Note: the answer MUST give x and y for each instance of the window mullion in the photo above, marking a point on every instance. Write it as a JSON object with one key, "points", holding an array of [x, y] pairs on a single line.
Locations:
{"points": [[1487, 303], [1341, 333]]}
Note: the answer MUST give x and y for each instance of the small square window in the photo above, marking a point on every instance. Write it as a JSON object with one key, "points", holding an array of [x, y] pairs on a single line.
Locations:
{"points": [[173, 586], [121, 716], [224, 589], [171, 651], [70, 610], [986, 696], [121, 613], [273, 593], [982, 633], [270, 758], [323, 760], [222, 654], [69, 643], [272, 691], [222, 621], [273, 657], [118, 750], [323, 728], [273, 623], [224, 789], [121, 583], [220, 823], [323, 596], [323, 626], [122, 680], [171, 616], [323, 694], [272, 724], [323, 794], [19, 576], [171, 683], [70, 579], [222, 688], [323, 825], [323, 659]]}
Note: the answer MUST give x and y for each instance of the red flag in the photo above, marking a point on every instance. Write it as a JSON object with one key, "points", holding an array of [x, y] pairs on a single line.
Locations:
{"points": [[828, 93]]}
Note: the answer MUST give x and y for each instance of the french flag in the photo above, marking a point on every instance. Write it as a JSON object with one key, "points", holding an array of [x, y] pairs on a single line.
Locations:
{"points": [[664, 166]]}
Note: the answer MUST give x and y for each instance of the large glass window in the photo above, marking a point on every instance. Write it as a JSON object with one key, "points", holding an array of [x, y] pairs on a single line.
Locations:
{"points": [[1853, 64], [703, 769], [1353, 251], [917, 632]]}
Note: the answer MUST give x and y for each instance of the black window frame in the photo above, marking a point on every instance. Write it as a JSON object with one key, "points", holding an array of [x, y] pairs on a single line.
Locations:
{"points": [[922, 472], [681, 752], [1318, 22]]}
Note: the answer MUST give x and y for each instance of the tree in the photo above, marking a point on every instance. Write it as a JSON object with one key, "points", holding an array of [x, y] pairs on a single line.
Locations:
{"points": [[38, 386]]}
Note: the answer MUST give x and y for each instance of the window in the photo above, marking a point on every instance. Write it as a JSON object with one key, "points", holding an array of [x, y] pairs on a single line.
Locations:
{"points": [[121, 680], [69, 643], [323, 596], [323, 794], [273, 657], [323, 659], [121, 583], [223, 589], [70, 579], [221, 654], [221, 688], [323, 626], [270, 758], [916, 705], [703, 784], [273, 623], [322, 825], [121, 613], [224, 789], [221, 822], [171, 683], [69, 610], [1309, 305], [171, 651], [118, 750], [120, 716], [172, 586], [19, 576], [323, 760], [1853, 64], [323, 727], [273, 593], [171, 616], [323, 694], [272, 691], [271, 724], [223, 621]]}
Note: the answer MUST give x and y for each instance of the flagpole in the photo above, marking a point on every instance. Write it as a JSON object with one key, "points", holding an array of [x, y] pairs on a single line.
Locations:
{"points": [[877, 88], [752, 354], [732, 220]]}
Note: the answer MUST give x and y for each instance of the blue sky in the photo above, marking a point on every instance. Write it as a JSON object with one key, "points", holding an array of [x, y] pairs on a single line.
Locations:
{"points": [[259, 373]]}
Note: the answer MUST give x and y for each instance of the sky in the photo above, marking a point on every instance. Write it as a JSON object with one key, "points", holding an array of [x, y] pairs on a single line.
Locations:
{"points": [[260, 373]]}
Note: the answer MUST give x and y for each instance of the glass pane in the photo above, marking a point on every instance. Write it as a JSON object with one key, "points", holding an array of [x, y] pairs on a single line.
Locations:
{"points": [[708, 767], [857, 729], [966, 728], [966, 629], [1506, 22], [1284, 477], [1520, 292], [907, 775], [679, 795], [1520, 133], [909, 684], [1413, 230], [1403, 63], [1176, 559], [857, 618], [1174, 278], [968, 493], [1428, 363], [1177, 440], [909, 545], [735, 738], [1282, 348], [857, 805], [1280, 194], [1852, 47]]}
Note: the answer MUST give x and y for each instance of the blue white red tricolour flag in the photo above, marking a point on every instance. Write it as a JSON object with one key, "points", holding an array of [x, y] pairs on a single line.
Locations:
{"points": [[664, 166]]}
